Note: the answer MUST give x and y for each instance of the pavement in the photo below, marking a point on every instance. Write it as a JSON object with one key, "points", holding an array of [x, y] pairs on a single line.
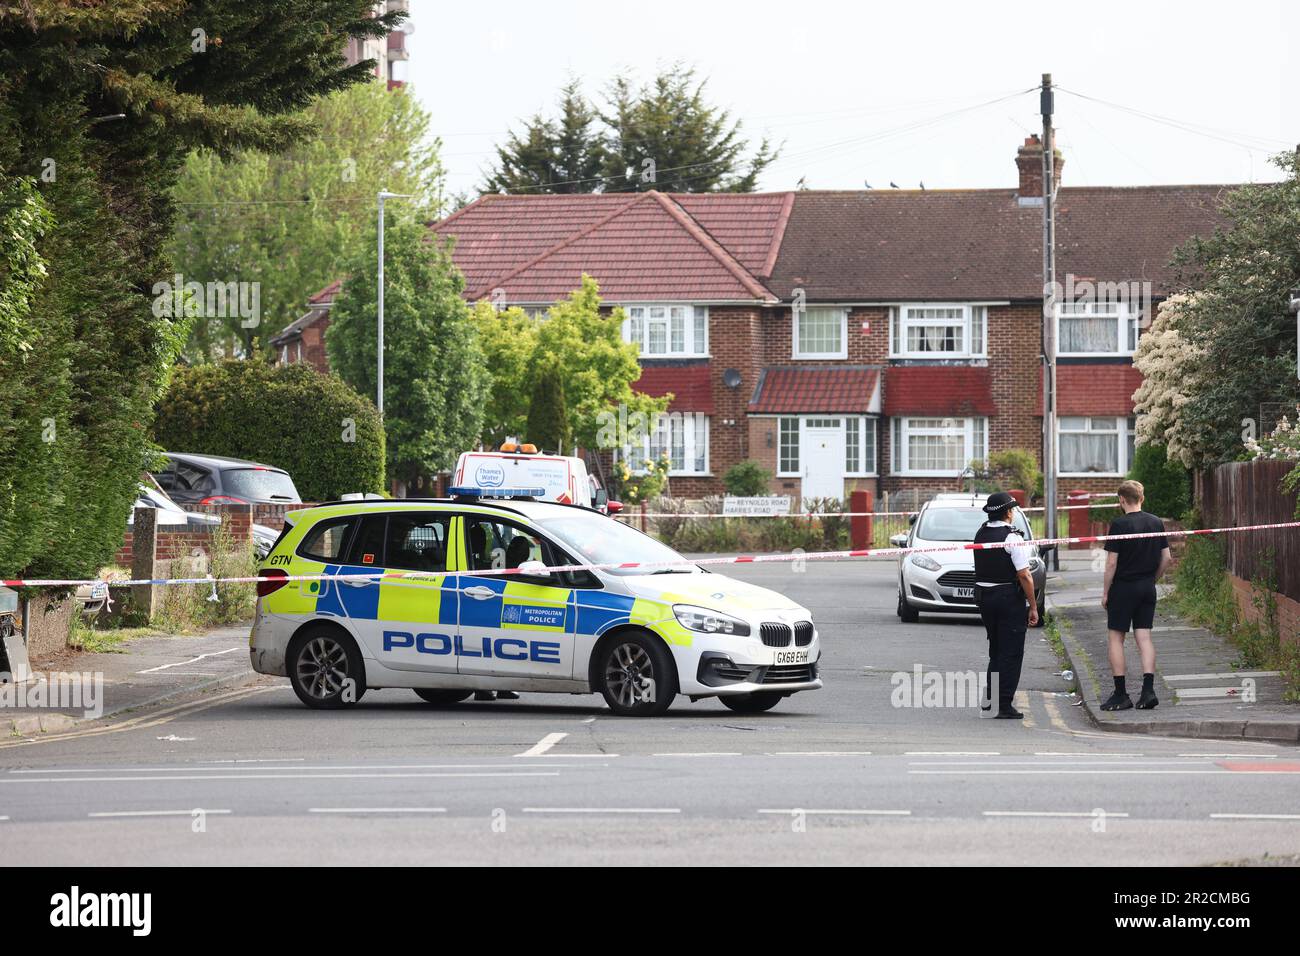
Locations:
{"points": [[1203, 688], [242, 773], [142, 672]]}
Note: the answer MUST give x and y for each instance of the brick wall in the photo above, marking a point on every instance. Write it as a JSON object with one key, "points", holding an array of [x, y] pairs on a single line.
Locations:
{"points": [[180, 541], [1288, 609]]}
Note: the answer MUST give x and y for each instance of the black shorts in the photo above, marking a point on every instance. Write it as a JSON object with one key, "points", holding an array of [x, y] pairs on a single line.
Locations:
{"points": [[1131, 604]]}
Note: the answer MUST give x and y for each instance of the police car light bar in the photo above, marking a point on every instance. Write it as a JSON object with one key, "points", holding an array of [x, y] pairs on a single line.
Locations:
{"points": [[472, 492]]}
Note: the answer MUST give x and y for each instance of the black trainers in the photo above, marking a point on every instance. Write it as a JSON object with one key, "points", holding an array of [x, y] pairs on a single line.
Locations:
{"points": [[1009, 713], [1118, 701], [1148, 699]]}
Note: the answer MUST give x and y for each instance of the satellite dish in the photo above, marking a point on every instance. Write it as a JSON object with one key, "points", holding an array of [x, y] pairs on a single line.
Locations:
{"points": [[731, 378]]}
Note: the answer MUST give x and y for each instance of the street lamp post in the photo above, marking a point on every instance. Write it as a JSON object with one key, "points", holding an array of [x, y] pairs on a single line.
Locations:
{"points": [[383, 194]]}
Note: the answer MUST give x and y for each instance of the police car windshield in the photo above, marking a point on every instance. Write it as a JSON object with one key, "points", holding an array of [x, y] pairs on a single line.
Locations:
{"points": [[595, 539], [958, 524]]}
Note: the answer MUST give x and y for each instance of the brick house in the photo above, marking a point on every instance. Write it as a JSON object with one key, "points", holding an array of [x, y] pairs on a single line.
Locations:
{"points": [[881, 339]]}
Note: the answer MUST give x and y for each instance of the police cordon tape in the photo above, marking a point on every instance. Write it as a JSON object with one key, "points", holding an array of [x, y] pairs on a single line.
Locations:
{"points": [[629, 565], [816, 514]]}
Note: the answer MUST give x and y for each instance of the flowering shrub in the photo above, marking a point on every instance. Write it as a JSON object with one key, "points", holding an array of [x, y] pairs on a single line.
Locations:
{"points": [[1282, 445], [639, 488]]}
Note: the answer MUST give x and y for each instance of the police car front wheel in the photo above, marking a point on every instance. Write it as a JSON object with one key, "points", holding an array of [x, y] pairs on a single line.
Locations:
{"points": [[637, 675], [325, 668]]}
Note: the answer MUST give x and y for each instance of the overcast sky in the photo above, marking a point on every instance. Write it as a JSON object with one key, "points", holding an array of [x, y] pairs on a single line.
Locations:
{"points": [[877, 93]]}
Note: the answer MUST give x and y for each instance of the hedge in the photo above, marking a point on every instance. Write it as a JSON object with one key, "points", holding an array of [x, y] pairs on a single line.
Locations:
{"points": [[312, 425]]}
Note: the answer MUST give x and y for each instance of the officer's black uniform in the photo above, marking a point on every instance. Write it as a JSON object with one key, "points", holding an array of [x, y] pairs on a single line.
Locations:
{"points": [[1004, 612]]}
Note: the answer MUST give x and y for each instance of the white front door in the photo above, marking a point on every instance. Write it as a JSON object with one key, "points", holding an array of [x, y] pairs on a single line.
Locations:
{"points": [[821, 450]]}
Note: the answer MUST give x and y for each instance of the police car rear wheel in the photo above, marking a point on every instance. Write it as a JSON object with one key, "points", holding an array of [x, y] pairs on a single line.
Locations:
{"points": [[325, 669], [754, 703], [638, 677], [441, 697]]}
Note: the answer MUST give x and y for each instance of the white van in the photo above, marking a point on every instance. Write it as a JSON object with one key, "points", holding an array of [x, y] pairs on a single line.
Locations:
{"points": [[563, 478]]}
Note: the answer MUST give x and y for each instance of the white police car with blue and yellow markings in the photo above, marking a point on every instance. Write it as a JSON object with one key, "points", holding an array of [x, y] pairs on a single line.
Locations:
{"points": [[426, 612]]}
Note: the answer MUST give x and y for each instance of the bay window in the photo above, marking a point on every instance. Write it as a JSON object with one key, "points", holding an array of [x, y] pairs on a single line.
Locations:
{"points": [[1095, 328], [683, 437], [938, 331], [1094, 445], [821, 333], [667, 331], [938, 447]]}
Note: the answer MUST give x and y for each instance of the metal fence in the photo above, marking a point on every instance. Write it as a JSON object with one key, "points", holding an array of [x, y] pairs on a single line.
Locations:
{"points": [[1250, 492]]}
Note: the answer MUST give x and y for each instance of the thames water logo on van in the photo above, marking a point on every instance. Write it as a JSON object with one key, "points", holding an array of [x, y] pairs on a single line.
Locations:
{"points": [[490, 475]]}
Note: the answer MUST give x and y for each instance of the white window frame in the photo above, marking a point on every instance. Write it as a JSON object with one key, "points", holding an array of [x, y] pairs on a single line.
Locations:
{"points": [[974, 432], [975, 318], [866, 424], [1126, 427], [841, 353], [665, 426], [640, 312], [1126, 327]]}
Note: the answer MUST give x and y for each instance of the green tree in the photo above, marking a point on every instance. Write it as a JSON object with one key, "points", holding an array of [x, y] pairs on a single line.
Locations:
{"points": [[661, 135], [99, 105], [548, 425], [219, 408], [1219, 355], [290, 221], [583, 346], [435, 380], [550, 156], [1168, 485]]}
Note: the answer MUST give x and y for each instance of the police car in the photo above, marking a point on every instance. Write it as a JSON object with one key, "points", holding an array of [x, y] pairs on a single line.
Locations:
{"points": [[425, 612]]}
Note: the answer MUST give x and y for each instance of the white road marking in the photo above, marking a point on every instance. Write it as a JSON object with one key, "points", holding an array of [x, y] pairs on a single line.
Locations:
{"points": [[842, 813], [590, 720], [700, 754], [543, 745], [819, 753], [602, 810], [952, 753], [1054, 763], [1251, 756], [376, 809], [1257, 773], [1050, 813], [1255, 816], [2, 819], [163, 667], [1088, 753], [381, 766], [276, 776], [259, 760], [174, 737], [155, 813], [1231, 675]]}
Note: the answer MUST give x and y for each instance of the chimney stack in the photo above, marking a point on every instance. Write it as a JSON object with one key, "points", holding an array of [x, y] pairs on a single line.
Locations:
{"points": [[1029, 160]]}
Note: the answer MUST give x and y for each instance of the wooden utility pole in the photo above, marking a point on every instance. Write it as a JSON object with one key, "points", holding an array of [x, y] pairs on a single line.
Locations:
{"points": [[1049, 315]]}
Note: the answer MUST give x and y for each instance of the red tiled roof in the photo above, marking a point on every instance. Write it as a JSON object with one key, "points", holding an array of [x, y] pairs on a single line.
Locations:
{"points": [[689, 385], [1096, 389], [947, 390], [881, 245], [326, 294], [829, 388], [648, 246]]}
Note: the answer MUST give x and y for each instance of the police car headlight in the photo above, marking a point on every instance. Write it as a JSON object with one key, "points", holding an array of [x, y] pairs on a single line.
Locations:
{"points": [[709, 622], [925, 561]]}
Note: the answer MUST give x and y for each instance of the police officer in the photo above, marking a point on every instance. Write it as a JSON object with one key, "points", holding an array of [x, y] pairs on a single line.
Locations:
{"points": [[1004, 592]]}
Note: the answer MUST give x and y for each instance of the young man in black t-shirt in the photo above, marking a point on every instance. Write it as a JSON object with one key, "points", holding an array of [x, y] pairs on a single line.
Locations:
{"points": [[1129, 593]]}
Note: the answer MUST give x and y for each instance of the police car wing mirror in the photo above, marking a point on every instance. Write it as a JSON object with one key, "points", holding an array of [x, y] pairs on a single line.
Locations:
{"points": [[535, 568]]}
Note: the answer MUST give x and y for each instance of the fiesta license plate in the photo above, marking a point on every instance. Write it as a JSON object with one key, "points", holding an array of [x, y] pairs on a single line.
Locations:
{"points": [[964, 593], [792, 657]]}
